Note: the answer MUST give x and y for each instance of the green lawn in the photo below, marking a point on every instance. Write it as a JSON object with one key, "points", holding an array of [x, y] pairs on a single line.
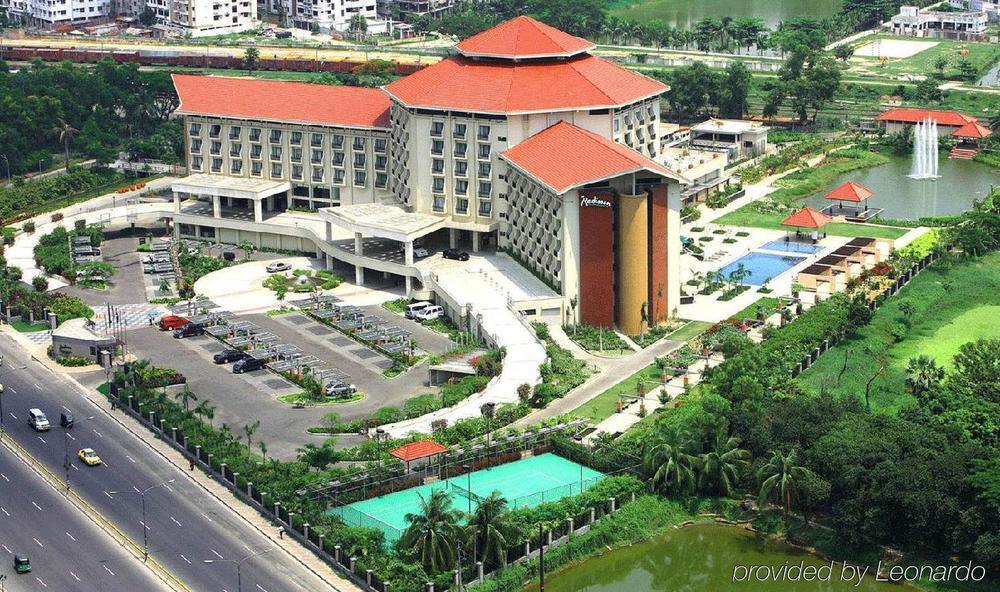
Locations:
{"points": [[981, 55], [750, 312], [746, 216], [689, 331], [603, 405], [954, 304], [25, 327]]}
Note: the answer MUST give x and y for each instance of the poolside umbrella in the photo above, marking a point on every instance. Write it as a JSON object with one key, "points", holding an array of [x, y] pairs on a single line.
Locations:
{"points": [[807, 218], [852, 192]]}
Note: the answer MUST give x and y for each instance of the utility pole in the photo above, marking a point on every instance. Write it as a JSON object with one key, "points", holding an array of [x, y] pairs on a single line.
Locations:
{"points": [[145, 530], [458, 569], [541, 560]]}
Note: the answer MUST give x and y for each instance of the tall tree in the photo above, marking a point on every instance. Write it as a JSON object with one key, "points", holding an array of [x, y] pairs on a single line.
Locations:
{"points": [[734, 90], [433, 532], [670, 457], [781, 477], [720, 465], [66, 133], [492, 529], [923, 374]]}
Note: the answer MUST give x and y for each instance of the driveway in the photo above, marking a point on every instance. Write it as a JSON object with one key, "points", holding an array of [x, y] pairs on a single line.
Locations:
{"points": [[239, 288], [126, 286]]}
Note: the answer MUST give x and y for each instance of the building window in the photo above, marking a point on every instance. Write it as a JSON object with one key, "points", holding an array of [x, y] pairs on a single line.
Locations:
{"points": [[438, 203], [317, 174], [296, 154], [381, 180], [276, 169], [194, 129], [461, 168], [460, 149], [338, 141], [651, 110], [437, 148], [196, 162], [255, 150], [459, 130], [255, 134], [485, 188], [214, 130], [359, 143], [485, 169], [359, 159], [437, 185], [462, 207], [317, 156], [381, 162], [484, 151], [380, 145], [618, 125], [236, 167], [275, 136], [338, 176], [338, 159], [462, 187], [235, 149], [437, 129], [256, 168], [195, 145], [484, 133], [437, 166], [485, 208], [359, 178], [275, 152], [317, 140], [234, 132], [216, 165], [297, 171], [296, 138], [216, 147]]}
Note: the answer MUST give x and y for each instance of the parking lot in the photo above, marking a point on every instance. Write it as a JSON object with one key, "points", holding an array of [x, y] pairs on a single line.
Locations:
{"points": [[126, 286]]}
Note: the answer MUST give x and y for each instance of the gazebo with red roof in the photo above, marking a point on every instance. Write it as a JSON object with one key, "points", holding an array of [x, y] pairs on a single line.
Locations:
{"points": [[855, 193], [807, 218], [418, 450]]}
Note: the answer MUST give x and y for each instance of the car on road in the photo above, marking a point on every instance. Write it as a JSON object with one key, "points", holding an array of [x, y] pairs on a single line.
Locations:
{"points": [[66, 420], [455, 254], [188, 330], [248, 364], [429, 314], [169, 322], [227, 355], [412, 309], [89, 457], [278, 266], [339, 389], [37, 420], [21, 564]]}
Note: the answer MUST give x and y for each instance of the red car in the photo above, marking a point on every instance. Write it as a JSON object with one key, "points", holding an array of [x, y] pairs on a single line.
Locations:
{"points": [[169, 322]]}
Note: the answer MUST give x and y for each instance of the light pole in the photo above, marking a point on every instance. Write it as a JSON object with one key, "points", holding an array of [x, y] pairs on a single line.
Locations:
{"points": [[239, 563], [142, 494]]}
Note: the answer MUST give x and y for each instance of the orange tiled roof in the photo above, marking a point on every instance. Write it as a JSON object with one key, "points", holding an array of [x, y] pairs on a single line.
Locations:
{"points": [[973, 129], [564, 156], [418, 449], [279, 100], [911, 115], [522, 38], [806, 218], [850, 191], [581, 82]]}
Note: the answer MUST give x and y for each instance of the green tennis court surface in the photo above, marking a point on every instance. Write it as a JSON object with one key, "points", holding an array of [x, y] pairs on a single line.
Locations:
{"points": [[524, 483]]}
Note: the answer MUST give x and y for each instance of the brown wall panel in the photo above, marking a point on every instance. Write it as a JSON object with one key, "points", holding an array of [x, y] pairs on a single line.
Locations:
{"points": [[658, 255], [597, 296]]}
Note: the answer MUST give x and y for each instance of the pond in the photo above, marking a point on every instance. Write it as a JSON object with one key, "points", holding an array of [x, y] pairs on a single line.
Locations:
{"points": [[685, 13], [961, 182], [698, 558]]}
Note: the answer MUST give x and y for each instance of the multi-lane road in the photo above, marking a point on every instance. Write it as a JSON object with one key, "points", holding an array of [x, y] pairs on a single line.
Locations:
{"points": [[189, 532]]}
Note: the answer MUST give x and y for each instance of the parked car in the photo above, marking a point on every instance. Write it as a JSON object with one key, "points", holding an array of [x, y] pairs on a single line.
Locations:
{"points": [[430, 313], [455, 254], [21, 564], [188, 330], [278, 266], [339, 389], [247, 364], [37, 420], [412, 309], [89, 457], [418, 252], [169, 322], [227, 355]]}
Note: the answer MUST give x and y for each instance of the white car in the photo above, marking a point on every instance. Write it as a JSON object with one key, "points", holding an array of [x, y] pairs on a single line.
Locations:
{"points": [[418, 252], [429, 314], [278, 266]]}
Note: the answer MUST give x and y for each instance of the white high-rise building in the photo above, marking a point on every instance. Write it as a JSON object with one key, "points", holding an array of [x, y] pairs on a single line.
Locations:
{"points": [[202, 18], [328, 15], [49, 13]]}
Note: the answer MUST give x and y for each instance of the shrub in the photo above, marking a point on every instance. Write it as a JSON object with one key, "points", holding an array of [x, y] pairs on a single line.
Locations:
{"points": [[28, 227], [39, 283]]}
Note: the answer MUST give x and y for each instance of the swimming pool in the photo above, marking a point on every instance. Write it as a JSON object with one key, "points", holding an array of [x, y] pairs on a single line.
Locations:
{"points": [[762, 266], [792, 247]]}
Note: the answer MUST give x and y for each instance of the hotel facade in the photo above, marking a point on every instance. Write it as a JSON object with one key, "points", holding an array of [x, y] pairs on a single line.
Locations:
{"points": [[523, 143]]}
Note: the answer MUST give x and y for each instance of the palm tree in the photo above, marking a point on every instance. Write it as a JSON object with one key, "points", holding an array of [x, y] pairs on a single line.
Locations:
{"points": [[263, 449], [248, 431], [720, 464], [669, 457], [433, 532], [66, 133], [204, 410], [781, 477], [492, 530], [185, 397], [923, 374]]}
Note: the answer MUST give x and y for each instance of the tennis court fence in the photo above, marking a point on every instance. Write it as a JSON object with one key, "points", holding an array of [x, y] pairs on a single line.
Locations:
{"points": [[553, 493], [355, 517]]}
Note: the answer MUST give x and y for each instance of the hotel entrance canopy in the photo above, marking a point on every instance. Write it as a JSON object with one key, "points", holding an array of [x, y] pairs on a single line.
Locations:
{"points": [[382, 221], [235, 187]]}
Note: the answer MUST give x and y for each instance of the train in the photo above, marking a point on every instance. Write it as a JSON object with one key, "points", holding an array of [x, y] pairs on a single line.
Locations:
{"points": [[169, 58]]}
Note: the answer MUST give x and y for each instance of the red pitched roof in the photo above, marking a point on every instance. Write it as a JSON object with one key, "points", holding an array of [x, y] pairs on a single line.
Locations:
{"points": [[582, 82], [564, 156], [911, 115], [806, 218], [521, 38], [279, 100], [850, 191], [418, 449], [973, 130]]}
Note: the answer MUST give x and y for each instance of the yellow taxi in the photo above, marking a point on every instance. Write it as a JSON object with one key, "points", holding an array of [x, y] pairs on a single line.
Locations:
{"points": [[89, 457]]}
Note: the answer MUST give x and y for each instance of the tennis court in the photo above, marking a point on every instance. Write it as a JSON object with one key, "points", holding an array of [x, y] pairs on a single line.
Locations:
{"points": [[524, 483]]}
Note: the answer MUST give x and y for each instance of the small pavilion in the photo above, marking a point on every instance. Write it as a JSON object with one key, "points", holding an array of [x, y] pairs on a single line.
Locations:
{"points": [[418, 450], [806, 218], [856, 196], [969, 136]]}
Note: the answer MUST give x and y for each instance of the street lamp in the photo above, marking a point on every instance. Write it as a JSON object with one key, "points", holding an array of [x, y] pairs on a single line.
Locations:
{"points": [[142, 494], [239, 564]]}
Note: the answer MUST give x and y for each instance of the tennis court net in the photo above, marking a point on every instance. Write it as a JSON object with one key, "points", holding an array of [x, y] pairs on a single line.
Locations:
{"points": [[465, 493]]}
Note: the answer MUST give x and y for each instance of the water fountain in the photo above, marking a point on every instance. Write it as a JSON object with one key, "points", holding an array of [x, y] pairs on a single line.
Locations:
{"points": [[925, 150]]}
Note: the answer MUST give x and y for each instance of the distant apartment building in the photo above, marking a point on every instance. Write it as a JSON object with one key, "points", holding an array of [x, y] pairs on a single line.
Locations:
{"points": [[916, 22], [52, 13], [990, 7], [202, 18], [324, 15], [400, 9]]}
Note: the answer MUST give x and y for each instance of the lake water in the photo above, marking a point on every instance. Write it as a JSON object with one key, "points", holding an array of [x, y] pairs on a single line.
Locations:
{"points": [[961, 182], [698, 558], [684, 13]]}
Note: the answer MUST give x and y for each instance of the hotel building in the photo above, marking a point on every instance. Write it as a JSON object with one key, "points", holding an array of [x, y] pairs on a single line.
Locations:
{"points": [[523, 143]]}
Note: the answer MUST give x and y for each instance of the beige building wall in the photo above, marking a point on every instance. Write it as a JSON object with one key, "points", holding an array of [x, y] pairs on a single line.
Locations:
{"points": [[633, 262]]}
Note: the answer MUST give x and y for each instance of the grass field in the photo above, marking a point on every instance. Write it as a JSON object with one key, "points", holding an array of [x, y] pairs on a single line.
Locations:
{"points": [[746, 216], [954, 304], [980, 55], [689, 331], [25, 327], [603, 405], [750, 312]]}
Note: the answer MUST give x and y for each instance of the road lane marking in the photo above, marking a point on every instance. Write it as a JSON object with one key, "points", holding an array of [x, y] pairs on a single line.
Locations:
{"points": [[12, 415], [67, 409], [206, 517], [36, 386], [71, 537], [130, 458], [70, 436], [261, 588], [41, 582], [74, 467], [185, 559], [175, 521], [144, 525], [108, 569], [37, 507], [42, 439], [217, 554], [5, 477], [135, 488], [6, 548], [38, 541], [99, 435], [4, 511], [13, 391], [166, 486], [108, 494], [75, 577]]}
